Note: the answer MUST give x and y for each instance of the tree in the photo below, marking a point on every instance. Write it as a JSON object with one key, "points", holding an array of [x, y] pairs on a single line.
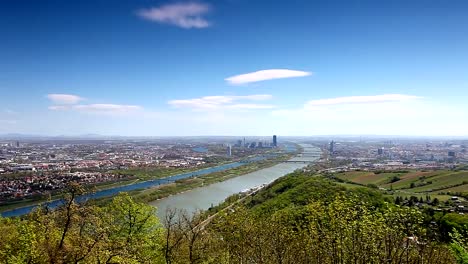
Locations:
{"points": [[398, 200], [458, 246], [133, 232], [120, 232], [173, 236]]}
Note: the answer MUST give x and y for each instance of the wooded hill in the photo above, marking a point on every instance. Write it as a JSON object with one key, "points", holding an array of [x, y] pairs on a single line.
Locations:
{"points": [[300, 218]]}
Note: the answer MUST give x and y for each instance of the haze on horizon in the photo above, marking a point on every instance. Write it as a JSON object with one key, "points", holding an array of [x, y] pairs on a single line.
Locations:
{"points": [[183, 68]]}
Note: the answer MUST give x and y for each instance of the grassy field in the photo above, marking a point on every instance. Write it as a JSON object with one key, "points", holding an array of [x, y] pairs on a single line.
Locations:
{"points": [[441, 183], [367, 177], [440, 197]]}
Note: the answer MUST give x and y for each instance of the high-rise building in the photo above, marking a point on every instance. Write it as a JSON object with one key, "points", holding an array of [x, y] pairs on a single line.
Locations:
{"points": [[380, 151], [229, 151], [275, 143], [332, 147]]}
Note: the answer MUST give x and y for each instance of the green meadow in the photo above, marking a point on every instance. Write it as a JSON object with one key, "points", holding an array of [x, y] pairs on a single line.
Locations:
{"points": [[442, 183]]}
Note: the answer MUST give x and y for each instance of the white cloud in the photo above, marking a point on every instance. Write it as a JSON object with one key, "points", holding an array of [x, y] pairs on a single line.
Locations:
{"points": [[264, 75], [184, 15], [359, 107], [58, 107], [362, 99], [64, 102], [107, 108], [249, 106], [223, 102], [64, 99]]}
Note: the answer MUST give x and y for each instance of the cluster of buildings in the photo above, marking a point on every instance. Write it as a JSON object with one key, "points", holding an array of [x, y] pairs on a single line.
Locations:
{"points": [[99, 155], [32, 168], [397, 154], [32, 185], [252, 144]]}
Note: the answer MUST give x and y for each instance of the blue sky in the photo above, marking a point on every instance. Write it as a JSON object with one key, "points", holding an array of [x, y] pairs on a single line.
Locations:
{"points": [[234, 67]]}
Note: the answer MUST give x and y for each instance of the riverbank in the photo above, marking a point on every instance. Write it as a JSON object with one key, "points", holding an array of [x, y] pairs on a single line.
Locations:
{"points": [[127, 177], [141, 185], [179, 186], [132, 176]]}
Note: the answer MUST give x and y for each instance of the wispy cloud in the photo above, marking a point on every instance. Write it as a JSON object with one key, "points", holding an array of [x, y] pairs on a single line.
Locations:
{"points": [[9, 111], [223, 102], [8, 122], [184, 15], [98, 108], [64, 99], [359, 114], [69, 102], [59, 107], [249, 106], [107, 108], [264, 75], [384, 98]]}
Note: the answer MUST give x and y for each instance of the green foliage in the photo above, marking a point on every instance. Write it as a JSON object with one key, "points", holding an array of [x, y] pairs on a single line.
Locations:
{"points": [[298, 189], [121, 232], [133, 231], [459, 248], [300, 218], [452, 222], [343, 230]]}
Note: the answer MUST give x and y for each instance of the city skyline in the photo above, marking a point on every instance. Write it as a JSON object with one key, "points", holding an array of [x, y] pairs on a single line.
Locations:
{"points": [[188, 68]]}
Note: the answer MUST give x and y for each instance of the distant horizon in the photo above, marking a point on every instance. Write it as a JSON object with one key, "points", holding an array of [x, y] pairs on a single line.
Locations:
{"points": [[365, 136]]}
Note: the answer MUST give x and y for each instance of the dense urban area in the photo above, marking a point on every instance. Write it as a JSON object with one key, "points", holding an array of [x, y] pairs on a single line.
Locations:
{"points": [[35, 168], [398, 154]]}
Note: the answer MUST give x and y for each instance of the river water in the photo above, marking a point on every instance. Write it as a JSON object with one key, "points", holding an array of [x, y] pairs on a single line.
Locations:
{"points": [[204, 197]]}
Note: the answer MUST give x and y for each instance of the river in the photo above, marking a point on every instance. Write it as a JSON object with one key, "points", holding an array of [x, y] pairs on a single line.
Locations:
{"points": [[204, 197]]}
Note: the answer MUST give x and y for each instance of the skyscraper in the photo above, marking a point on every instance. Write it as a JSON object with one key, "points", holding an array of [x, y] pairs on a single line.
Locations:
{"points": [[229, 151], [380, 151], [275, 143], [332, 147]]}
